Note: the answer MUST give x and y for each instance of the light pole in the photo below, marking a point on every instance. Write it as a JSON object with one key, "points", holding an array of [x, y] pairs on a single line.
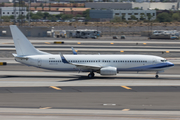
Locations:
{"points": [[0, 16], [97, 26], [29, 11]]}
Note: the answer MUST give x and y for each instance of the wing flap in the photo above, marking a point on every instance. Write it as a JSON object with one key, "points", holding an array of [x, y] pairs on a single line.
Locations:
{"points": [[85, 66]]}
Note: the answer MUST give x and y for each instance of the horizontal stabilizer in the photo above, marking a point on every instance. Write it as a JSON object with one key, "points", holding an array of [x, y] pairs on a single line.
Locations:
{"points": [[20, 57]]}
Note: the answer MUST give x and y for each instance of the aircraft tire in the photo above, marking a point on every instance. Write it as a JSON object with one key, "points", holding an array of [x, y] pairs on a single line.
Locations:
{"points": [[157, 76], [91, 75]]}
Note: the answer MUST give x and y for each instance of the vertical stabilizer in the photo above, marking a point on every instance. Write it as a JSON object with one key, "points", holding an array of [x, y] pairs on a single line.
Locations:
{"points": [[22, 44]]}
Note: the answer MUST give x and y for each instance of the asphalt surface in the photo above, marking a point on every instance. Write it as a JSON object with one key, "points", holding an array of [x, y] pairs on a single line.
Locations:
{"points": [[140, 45], [104, 97], [28, 91], [107, 98]]}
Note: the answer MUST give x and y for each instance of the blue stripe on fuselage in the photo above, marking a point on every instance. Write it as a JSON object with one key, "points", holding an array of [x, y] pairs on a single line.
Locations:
{"points": [[151, 67]]}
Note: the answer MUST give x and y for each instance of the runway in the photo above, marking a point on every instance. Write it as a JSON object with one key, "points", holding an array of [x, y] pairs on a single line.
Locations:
{"points": [[102, 98], [159, 48], [36, 88], [34, 93], [87, 102]]}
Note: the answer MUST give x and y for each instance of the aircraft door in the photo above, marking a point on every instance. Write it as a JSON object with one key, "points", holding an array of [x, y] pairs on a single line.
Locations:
{"points": [[39, 62]]}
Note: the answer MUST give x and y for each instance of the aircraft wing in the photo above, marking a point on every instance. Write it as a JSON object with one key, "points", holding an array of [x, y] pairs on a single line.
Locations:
{"points": [[83, 66]]}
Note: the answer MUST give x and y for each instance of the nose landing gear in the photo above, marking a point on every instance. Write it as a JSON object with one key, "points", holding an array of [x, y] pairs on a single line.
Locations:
{"points": [[157, 72]]}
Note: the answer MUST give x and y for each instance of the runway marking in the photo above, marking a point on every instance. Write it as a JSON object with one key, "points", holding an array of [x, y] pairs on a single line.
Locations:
{"points": [[109, 104], [45, 108], [78, 42], [144, 43], [167, 51], [76, 50], [55, 88], [47, 42], [121, 51], [125, 109], [126, 87], [111, 43], [7, 43]]}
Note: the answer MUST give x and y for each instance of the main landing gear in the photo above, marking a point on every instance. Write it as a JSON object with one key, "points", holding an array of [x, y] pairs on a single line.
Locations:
{"points": [[157, 76], [91, 75]]}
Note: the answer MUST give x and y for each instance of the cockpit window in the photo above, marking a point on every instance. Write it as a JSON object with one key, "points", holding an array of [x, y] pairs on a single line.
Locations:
{"points": [[163, 60]]}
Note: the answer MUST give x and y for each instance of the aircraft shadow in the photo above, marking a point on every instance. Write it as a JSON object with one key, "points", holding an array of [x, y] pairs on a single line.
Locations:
{"points": [[81, 78], [18, 76]]}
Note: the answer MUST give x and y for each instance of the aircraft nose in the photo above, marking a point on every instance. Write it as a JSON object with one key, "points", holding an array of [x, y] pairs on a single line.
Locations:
{"points": [[170, 64]]}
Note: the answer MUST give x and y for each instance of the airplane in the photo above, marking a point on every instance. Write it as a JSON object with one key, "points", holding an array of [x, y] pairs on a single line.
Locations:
{"points": [[74, 51], [27, 54]]}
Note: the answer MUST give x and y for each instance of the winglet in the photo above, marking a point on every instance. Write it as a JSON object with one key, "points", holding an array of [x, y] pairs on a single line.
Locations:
{"points": [[74, 52], [63, 58]]}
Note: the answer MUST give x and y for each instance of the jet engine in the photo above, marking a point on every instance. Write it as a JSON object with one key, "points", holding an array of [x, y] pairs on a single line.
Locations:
{"points": [[108, 71]]}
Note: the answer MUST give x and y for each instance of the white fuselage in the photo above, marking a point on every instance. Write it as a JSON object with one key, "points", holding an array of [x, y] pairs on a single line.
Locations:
{"points": [[121, 62]]}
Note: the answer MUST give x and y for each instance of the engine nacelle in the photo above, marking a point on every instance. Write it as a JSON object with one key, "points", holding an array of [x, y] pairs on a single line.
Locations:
{"points": [[108, 71]]}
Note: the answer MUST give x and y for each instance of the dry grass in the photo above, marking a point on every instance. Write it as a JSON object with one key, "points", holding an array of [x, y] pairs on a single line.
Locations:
{"points": [[107, 24]]}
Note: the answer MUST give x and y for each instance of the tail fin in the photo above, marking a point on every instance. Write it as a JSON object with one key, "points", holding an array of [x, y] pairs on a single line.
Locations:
{"points": [[22, 44], [74, 51]]}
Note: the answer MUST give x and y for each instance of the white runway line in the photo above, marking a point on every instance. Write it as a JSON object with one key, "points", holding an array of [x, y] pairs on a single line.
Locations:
{"points": [[84, 112]]}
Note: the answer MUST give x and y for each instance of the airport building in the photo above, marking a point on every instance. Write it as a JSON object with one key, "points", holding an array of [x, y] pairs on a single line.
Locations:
{"points": [[132, 5], [8, 11], [156, 5], [101, 15], [137, 13], [27, 31], [108, 5], [3, 1]]}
